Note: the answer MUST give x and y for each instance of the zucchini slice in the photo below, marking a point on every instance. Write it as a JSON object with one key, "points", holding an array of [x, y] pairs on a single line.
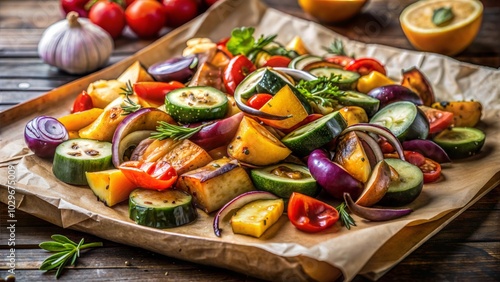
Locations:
{"points": [[315, 134], [348, 79], [76, 156], [407, 188], [194, 104], [354, 98], [460, 142], [300, 62], [161, 209]]}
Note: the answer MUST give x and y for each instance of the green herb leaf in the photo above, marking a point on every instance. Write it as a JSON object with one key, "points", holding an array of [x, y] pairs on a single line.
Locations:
{"points": [[242, 41], [128, 106], [66, 252], [322, 91], [345, 217], [336, 48], [166, 130], [442, 16]]}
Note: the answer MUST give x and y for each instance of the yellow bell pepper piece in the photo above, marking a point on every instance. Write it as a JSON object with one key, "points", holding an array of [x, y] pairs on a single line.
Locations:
{"points": [[353, 115], [465, 113], [256, 217], [284, 103], [297, 45], [373, 80], [110, 186], [78, 120]]}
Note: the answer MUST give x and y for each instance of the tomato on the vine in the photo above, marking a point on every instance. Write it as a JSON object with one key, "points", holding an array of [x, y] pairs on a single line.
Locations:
{"points": [[259, 100], [108, 15], [76, 6], [309, 214], [145, 18], [365, 65], [237, 69], [82, 102], [180, 12]]}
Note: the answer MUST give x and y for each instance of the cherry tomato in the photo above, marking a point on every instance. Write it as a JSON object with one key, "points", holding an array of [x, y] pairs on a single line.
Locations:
{"points": [[82, 102], [154, 92], [258, 100], [308, 119], [180, 12], [128, 2], [365, 65], [438, 120], [309, 214], [431, 170], [385, 146], [339, 60], [75, 5], [145, 18], [108, 15], [414, 158], [237, 69], [277, 61], [221, 45], [157, 175]]}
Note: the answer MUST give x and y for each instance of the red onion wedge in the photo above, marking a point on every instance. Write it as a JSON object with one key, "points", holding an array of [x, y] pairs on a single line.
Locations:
{"points": [[392, 93], [43, 134], [237, 203], [378, 130], [218, 133], [427, 148], [374, 214], [143, 119], [374, 146], [178, 68]]}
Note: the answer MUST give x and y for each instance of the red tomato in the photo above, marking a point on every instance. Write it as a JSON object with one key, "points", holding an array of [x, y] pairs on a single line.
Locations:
{"points": [[258, 100], [157, 175], [431, 170], [128, 2], [237, 69], [339, 60], [82, 102], [365, 65], [308, 119], [385, 146], [438, 120], [221, 45], [108, 15], [414, 158], [75, 5], [309, 214], [145, 18], [277, 61], [155, 92], [180, 12]]}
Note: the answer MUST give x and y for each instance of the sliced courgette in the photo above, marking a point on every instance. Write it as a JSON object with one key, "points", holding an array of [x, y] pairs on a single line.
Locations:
{"points": [[315, 134], [404, 119], [301, 61], [347, 79], [194, 104], [407, 187], [161, 209], [354, 98], [460, 142], [76, 156], [284, 179]]}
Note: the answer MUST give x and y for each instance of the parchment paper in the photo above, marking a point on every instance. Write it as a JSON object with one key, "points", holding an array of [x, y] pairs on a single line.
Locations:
{"points": [[283, 252]]}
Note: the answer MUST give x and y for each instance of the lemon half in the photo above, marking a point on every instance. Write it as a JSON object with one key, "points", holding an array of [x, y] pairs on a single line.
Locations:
{"points": [[451, 39]]}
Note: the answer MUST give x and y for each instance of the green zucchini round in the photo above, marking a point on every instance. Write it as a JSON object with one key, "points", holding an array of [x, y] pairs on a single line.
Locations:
{"points": [[460, 142], [409, 186]]}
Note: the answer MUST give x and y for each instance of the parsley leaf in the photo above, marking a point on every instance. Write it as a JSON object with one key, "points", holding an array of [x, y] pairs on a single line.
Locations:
{"points": [[242, 41], [322, 91]]}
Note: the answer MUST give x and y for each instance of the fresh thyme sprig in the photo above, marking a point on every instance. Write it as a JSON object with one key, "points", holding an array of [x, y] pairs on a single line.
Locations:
{"points": [[166, 130], [336, 48], [345, 217], [66, 252], [322, 91], [128, 105]]}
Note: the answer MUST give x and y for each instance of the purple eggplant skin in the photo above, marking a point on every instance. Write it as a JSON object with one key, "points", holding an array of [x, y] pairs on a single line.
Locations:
{"points": [[392, 93], [427, 148], [218, 133], [334, 179], [178, 68], [374, 214]]}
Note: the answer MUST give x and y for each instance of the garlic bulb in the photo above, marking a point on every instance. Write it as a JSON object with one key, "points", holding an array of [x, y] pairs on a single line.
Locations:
{"points": [[75, 45]]}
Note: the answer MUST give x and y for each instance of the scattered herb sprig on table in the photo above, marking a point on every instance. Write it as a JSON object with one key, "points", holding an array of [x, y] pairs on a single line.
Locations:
{"points": [[322, 91], [66, 252], [345, 217], [129, 106], [166, 130]]}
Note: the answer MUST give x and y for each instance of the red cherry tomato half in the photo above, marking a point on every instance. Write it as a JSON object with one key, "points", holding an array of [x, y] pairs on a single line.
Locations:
{"points": [[154, 92], [309, 214], [438, 120], [277, 61], [385, 146], [308, 119], [258, 100], [157, 175], [145, 18], [108, 15], [431, 170], [180, 12], [237, 69], [365, 65], [339, 60], [82, 102]]}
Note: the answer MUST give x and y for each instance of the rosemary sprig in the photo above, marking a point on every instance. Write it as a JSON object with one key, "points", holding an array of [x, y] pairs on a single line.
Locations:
{"points": [[336, 48], [322, 91], [66, 252], [345, 217], [128, 105], [166, 130]]}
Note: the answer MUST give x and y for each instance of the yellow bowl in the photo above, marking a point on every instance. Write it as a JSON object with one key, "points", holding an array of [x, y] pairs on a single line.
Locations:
{"points": [[330, 11], [451, 39]]}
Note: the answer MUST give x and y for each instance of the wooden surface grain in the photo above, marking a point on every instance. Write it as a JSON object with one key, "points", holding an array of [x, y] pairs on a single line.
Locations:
{"points": [[468, 249]]}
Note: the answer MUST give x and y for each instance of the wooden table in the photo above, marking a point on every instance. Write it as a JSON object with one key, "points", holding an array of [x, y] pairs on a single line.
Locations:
{"points": [[468, 249]]}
